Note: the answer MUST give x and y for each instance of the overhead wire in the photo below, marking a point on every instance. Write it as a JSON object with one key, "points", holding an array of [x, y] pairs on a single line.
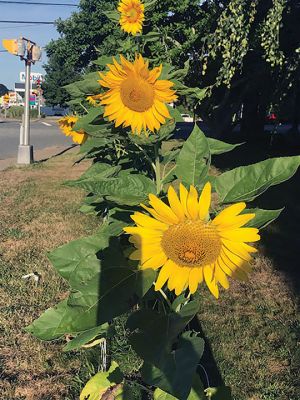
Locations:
{"points": [[29, 22], [38, 3]]}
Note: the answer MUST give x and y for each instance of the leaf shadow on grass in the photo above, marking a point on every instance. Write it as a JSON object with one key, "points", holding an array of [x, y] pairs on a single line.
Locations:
{"points": [[281, 240], [208, 368], [56, 155]]}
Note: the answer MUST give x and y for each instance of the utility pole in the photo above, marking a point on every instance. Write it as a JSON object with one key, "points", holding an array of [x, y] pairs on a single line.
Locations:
{"points": [[39, 93], [26, 118], [29, 52]]}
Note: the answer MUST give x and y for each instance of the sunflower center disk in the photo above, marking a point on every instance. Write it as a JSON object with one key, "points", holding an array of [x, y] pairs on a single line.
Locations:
{"points": [[192, 243], [137, 94], [132, 15]]}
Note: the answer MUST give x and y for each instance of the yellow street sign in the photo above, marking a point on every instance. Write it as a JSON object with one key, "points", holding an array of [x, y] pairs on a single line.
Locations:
{"points": [[11, 45]]}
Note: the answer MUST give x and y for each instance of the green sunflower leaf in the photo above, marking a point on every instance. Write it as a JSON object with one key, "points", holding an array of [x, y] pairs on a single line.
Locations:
{"points": [[196, 393], [246, 183], [77, 260], [193, 161], [176, 370], [104, 60], [219, 393], [95, 173], [93, 143], [99, 384], [153, 333], [112, 15], [89, 84], [103, 285], [125, 189], [262, 217], [219, 147], [103, 293], [175, 114], [87, 336], [84, 121]]}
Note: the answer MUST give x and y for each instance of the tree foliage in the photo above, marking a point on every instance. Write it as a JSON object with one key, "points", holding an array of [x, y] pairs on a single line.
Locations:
{"points": [[89, 33]]}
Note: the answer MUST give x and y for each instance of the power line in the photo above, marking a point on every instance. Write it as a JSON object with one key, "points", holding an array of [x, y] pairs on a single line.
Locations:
{"points": [[38, 3], [29, 22], [2, 27]]}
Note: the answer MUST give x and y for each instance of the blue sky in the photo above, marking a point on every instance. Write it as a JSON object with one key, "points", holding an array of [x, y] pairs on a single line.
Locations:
{"points": [[11, 66]]}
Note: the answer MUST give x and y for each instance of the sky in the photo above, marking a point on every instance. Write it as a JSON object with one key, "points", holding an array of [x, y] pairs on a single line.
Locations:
{"points": [[10, 65]]}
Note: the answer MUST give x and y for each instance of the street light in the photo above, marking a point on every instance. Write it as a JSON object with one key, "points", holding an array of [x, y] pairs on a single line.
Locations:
{"points": [[29, 52]]}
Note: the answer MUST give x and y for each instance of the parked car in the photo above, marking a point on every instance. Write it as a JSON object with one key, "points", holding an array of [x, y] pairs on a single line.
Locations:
{"points": [[187, 118], [54, 111], [271, 117]]}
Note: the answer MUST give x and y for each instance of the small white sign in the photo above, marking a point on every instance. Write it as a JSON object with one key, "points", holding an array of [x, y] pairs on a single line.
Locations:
{"points": [[34, 76]]}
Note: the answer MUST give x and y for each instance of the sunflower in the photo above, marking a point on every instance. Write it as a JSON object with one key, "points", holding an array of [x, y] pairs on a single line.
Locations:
{"points": [[132, 16], [188, 246], [66, 125], [136, 97], [94, 99]]}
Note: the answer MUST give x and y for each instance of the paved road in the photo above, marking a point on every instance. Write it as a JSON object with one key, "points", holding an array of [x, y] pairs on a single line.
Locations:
{"points": [[41, 136]]}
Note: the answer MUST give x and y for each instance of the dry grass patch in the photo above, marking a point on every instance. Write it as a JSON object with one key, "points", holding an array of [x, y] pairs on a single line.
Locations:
{"points": [[37, 214]]}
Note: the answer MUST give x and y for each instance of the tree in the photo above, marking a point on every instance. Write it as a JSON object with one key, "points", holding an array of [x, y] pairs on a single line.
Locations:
{"points": [[83, 37], [250, 59], [3, 89], [89, 33]]}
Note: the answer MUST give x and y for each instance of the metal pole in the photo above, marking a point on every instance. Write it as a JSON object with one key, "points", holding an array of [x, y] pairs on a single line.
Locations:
{"points": [[27, 105], [39, 105], [25, 150]]}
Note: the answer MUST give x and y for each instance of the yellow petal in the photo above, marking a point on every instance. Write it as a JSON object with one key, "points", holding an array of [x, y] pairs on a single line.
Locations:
{"points": [[210, 280], [241, 234], [155, 214], [181, 280], [229, 212], [135, 255], [220, 276], [143, 232], [175, 204], [192, 203], [204, 201], [236, 222], [162, 209], [148, 222], [196, 277], [155, 262], [183, 194], [237, 248], [164, 275]]}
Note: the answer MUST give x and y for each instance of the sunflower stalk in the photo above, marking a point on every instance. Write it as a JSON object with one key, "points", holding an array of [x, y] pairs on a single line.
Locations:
{"points": [[157, 169], [165, 297]]}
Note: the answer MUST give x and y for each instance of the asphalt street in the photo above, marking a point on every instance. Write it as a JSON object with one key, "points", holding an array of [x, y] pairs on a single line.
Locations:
{"points": [[42, 134]]}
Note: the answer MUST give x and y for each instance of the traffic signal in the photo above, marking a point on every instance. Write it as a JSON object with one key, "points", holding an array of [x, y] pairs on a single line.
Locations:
{"points": [[11, 45], [6, 98], [36, 53], [14, 46]]}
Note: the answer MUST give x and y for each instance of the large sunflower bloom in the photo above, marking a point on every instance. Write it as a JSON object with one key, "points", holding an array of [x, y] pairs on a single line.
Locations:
{"points": [[136, 97], [187, 246], [66, 125], [132, 16]]}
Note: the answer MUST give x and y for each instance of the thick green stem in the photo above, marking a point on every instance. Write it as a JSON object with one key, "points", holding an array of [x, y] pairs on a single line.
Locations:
{"points": [[157, 169], [165, 297]]}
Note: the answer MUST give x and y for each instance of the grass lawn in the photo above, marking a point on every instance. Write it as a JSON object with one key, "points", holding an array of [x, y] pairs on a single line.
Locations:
{"points": [[253, 330], [37, 214]]}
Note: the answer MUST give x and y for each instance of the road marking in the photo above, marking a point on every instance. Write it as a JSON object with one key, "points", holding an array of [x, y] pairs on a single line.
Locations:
{"points": [[46, 123]]}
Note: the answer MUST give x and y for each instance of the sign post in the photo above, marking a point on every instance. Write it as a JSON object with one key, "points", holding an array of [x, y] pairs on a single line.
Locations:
{"points": [[5, 104], [29, 52]]}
